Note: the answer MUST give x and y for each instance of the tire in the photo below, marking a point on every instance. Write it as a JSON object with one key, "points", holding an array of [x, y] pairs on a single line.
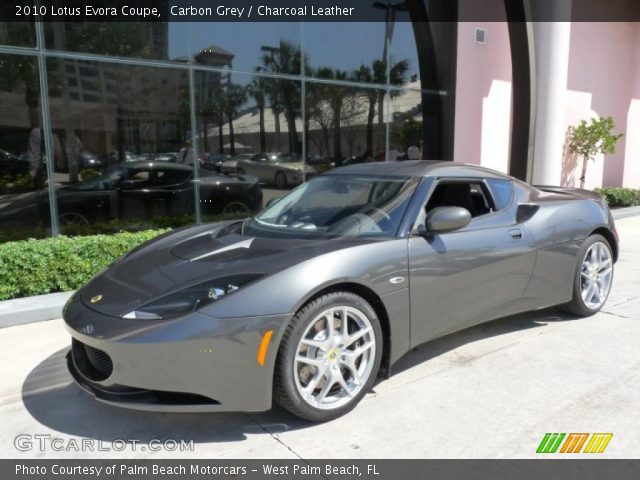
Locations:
{"points": [[240, 171], [236, 207], [73, 218], [281, 180], [306, 337], [594, 267]]}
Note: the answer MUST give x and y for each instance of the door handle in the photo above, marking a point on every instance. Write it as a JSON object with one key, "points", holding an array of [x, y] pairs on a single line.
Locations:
{"points": [[516, 234]]}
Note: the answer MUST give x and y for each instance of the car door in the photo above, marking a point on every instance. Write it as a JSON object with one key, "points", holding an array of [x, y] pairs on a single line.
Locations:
{"points": [[256, 166], [471, 275], [171, 191]]}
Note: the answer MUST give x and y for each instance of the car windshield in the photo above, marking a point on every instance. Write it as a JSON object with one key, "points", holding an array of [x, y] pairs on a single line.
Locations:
{"points": [[337, 206]]}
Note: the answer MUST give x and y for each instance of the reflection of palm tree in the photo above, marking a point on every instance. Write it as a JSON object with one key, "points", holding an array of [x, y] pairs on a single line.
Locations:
{"points": [[336, 96], [257, 89], [277, 109], [22, 72], [373, 74], [285, 59], [376, 73], [235, 97]]}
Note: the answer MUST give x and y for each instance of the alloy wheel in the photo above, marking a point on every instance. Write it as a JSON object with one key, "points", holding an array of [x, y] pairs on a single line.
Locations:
{"points": [[596, 274], [334, 358], [235, 207]]}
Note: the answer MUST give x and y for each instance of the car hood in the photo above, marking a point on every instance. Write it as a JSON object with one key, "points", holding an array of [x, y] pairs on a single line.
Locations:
{"points": [[295, 166], [228, 179], [190, 256]]}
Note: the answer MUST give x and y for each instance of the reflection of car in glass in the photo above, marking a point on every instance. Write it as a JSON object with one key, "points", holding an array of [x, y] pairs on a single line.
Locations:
{"points": [[88, 160], [12, 165], [231, 165], [114, 157], [324, 290], [279, 169], [134, 190], [213, 161], [165, 157]]}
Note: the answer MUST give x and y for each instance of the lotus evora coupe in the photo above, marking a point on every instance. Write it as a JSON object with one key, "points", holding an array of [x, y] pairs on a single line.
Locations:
{"points": [[320, 293]]}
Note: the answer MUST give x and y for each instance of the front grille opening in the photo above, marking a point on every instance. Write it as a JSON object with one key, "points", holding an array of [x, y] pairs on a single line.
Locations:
{"points": [[93, 363], [180, 398]]}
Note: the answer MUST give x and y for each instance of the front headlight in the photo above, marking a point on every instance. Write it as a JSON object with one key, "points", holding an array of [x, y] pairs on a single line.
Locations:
{"points": [[191, 298]]}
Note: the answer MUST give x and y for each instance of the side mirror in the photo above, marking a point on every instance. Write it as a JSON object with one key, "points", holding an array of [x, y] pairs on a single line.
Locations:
{"points": [[446, 219], [272, 201]]}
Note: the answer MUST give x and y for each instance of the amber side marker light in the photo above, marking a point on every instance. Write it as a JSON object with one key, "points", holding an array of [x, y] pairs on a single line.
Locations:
{"points": [[263, 347]]}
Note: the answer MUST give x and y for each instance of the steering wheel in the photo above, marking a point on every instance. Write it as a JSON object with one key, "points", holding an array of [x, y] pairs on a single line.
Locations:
{"points": [[355, 224], [380, 211]]}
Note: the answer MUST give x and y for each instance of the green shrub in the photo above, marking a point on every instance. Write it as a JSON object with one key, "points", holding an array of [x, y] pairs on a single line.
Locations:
{"points": [[88, 174], [34, 267], [16, 184], [618, 196], [113, 226]]}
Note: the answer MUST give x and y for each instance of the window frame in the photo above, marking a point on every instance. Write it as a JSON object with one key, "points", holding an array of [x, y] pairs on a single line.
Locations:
{"points": [[435, 181]]}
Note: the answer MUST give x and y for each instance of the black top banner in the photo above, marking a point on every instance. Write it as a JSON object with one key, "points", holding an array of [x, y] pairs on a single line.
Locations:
{"points": [[319, 10]]}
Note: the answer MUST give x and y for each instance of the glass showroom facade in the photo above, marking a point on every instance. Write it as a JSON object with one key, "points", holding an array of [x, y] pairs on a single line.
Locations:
{"points": [[122, 126]]}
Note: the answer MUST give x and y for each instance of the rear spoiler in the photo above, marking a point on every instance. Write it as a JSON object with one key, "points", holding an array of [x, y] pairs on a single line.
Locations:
{"points": [[576, 192]]}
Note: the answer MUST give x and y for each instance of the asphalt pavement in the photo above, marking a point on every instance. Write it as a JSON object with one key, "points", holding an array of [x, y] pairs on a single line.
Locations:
{"points": [[492, 391]]}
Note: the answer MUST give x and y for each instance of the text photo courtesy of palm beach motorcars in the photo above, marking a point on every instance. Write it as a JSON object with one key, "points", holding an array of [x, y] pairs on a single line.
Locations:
{"points": [[408, 232]]}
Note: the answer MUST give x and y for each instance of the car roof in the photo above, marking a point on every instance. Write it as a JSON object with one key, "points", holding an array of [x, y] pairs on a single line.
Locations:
{"points": [[418, 168]]}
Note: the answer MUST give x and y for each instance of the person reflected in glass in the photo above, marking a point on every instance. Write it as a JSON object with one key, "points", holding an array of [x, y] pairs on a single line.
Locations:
{"points": [[413, 153], [185, 155], [37, 156]]}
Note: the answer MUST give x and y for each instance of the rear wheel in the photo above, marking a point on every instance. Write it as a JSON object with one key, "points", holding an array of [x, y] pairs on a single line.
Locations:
{"points": [[281, 180], [73, 218], [329, 357], [593, 277]]}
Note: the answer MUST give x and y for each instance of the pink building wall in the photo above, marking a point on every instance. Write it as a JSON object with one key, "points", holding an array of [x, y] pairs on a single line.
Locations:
{"points": [[603, 79], [483, 96]]}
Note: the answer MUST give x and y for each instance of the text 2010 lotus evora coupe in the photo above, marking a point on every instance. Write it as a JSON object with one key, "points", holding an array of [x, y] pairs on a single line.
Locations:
{"points": [[312, 299]]}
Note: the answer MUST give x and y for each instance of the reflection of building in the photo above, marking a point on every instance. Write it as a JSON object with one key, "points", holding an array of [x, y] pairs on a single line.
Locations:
{"points": [[397, 108]]}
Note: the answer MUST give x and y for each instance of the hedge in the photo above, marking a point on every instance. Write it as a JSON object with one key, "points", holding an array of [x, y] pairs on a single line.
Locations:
{"points": [[618, 196], [34, 267]]}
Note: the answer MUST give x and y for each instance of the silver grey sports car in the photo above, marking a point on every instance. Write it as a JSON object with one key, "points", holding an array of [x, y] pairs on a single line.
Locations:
{"points": [[325, 289]]}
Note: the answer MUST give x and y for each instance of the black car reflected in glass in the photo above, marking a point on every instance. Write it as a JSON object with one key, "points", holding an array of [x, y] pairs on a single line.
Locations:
{"points": [[139, 190]]}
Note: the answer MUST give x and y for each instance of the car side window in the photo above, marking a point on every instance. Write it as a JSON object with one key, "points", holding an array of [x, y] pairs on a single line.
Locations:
{"points": [[502, 191], [472, 195], [171, 177]]}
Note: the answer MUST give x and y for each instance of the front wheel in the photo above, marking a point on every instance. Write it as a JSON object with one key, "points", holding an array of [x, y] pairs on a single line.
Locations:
{"points": [[593, 277], [329, 357]]}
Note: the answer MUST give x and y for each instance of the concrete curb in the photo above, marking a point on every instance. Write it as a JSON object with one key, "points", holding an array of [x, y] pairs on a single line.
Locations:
{"points": [[621, 213], [32, 309]]}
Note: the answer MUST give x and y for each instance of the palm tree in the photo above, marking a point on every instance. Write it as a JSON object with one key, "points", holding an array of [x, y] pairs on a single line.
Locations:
{"points": [[286, 59], [370, 74], [336, 95], [236, 96], [256, 89], [377, 74]]}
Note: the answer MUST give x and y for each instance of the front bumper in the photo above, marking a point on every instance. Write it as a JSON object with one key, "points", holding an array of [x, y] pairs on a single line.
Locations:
{"points": [[193, 363]]}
